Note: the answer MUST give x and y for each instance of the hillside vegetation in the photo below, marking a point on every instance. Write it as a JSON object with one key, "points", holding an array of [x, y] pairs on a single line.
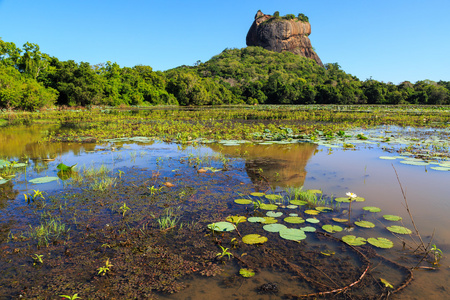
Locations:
{"points": [[30, 80]]}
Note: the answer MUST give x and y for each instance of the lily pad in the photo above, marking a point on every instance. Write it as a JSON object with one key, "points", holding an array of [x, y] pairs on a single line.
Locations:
{"points": [[273, 197], [365, 224], [372, 209], [332, 228], [291, 206], [324, 208], [256, 219], [221, 226], [294, 220], [440, 168], [243, 201], [43, 179], [269, 220], [313, 220], [268, 206], [387, 157], [359, 199], [315, 191], [353, 240], [342, 199], [298, 202], [292, 234], [381, 242], [247, 272], [308, 229], [236, 219], [312, 212], [254, 239], [274, 214], [274, 227], [257, 194], [293, 215], [339, 220], [399, 229], [62, 167], [392, 218]]}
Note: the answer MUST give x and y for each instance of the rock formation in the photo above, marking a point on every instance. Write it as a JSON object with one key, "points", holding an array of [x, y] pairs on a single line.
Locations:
{"points": [[281, 34]]}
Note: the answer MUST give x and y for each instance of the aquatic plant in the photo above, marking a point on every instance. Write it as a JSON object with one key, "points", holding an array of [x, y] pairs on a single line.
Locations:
{"points": [[104, 269], [167, 220], [37, 259], [224, 252], [73, 297], [246, 272], [124, 208]]}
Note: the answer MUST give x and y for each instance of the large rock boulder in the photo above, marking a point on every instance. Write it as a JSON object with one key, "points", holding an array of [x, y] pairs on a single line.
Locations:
{"points": [[280, 34]]}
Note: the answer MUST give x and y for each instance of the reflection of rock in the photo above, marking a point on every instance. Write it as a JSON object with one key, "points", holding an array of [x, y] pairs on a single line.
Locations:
{"points": [[281, 165]]}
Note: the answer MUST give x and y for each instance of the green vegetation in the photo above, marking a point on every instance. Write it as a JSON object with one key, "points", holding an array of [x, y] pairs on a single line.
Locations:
{"points": [[31, 80]]}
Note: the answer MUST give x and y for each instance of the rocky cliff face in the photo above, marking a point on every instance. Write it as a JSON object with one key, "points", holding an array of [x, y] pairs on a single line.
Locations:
{"points": [[279, 35]]}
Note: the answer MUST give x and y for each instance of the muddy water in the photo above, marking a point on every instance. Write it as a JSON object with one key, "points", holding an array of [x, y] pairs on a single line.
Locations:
{"points": [[269, 168]]}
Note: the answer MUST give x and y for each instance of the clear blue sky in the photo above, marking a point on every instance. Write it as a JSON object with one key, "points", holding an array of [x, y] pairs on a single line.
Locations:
{"points": [[390, 41]]}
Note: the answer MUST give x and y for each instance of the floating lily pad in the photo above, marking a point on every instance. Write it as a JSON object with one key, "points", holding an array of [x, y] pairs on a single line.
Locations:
{"points": [[294, 220], [313, 220], [339, 220], [353, 240], [274, 214], [332, 228], [365, 224], [314, 191], [243, 201], [274, 227], [247, 272], [342, 199], [257, 194], [440, 168], [273, 197], [236, 219], [268, 206], [392, 218], [324, 209], [43, 179], [359, 199], [256, 219], [221, 226], [372, 209], [254, 239], [388, 157], [292, 234], [381, 242], [308, 229], [298, 202], [312, 212], [291, 206], [399, 229], [20, 165], [269, 220], [293, 215], [414, 163]]}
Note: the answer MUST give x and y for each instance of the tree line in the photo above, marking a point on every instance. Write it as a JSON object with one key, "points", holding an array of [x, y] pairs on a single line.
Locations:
{"points": [[30, 80]]}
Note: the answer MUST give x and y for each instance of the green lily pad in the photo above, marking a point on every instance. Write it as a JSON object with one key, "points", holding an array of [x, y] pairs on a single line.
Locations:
{"points": [[440, 168], [339, 220], [392, 218], [359, 199], [372, 209], [312, 212], [414, 163], [315, 191], [273, 197], [381, 242], [399, 229], [274, 214], [236, 219], [387, 157], [269, 220], [293, 215], [342, 199], [324, 209], [353, 240], [43, 179], [365, 224], [254, 239], [20, 165], [332, 228], [243, 201], [292, 234], [257, 194], [221, 226], [291, 206], [298, 202], [274, 227], [294, 220], [256, 219], [268, 206], [62, 167], [313, 220], [308, 229], [247, 272]]}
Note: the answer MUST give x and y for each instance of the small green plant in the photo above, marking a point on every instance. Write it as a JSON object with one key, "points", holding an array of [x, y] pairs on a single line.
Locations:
{"points": [[120, 173], [32, 197], [154, 190], [257, 204], [106, 268], [224, 252], [75, 296], [437, 255], [167, 220], [124, 208], [37, 259]]}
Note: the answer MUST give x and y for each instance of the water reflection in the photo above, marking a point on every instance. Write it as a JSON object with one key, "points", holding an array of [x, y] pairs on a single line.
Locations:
{"points": [[281, 165]]}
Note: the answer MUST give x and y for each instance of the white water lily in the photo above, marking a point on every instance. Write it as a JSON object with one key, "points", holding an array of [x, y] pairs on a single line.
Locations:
{"points": [[351, 195]]}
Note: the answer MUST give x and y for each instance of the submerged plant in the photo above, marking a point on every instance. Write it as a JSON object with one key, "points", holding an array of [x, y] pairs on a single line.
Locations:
{"points": [[37, 259], [104, 269], [167, 220], [75, 296], [224, 252], [124, 208]]}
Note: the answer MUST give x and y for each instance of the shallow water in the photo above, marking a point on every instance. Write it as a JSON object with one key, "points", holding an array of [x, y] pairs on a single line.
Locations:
{"points": [[267, 168]]}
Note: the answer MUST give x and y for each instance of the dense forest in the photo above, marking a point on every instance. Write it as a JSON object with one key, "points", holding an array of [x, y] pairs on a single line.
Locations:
{"points": [[30, 80]]}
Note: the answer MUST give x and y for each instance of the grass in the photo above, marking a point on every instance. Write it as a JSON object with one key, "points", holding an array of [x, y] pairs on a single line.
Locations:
{"points": [[50, 230], [167, 220]]}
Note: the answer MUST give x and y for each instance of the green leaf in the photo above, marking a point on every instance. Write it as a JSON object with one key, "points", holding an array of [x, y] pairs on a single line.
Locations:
{"points": [[43, 179], [256, 219], [339, 220], [399, 229], [365, 224], [381, 242], [342, 199], [292, 234], [221, 226], [269, 220], [273, 197], [312, 220], [268, 206], [236, 219], [332, 228], [294, 220], [243, 201], [324, 209], [254, 239], [372, 209], [353, 240], [274, 214], [247, 272], [314, 191], [257, 194], [312, 212], [392, 218], [308, 229], [386, 283], [65, 168], [274, 227], [298, 202]]}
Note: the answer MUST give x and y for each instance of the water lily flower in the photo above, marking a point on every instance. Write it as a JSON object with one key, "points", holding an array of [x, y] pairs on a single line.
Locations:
{"points": [[351, 195]]}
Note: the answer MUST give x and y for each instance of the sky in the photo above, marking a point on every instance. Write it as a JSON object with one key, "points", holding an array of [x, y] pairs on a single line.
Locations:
{"points": [[389, 41]]}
